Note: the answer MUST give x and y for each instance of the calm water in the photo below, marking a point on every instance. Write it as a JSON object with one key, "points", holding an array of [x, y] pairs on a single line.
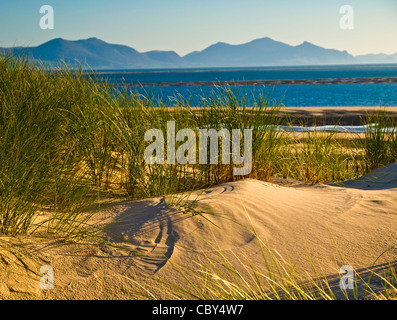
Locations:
{"points": [[173, 83]]}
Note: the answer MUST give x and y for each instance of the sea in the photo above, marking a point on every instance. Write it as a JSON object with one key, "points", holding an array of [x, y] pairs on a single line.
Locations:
{"points": [[347, 85]]}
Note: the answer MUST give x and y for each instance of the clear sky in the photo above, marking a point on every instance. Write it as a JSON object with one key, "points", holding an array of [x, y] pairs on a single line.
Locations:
{"points": [[188, 25]]}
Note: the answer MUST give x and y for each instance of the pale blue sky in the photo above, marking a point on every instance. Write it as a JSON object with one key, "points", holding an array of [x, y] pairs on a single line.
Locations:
{"points": [[187, 25]]}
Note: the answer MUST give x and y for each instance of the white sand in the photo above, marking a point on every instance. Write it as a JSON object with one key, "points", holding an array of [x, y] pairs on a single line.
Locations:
{"points": [[295, 221]]}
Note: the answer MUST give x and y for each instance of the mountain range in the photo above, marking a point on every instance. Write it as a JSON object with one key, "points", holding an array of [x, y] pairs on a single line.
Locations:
{"points": [[98, 54]]}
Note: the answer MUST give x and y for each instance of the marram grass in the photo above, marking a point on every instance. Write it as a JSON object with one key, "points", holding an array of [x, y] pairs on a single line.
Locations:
{"points": [[68, 140]]}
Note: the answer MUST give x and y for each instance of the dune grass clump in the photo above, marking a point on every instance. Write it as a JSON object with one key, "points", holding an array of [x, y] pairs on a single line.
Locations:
{"points": [[318, 157], [226, 108], [380, 140], [40, 164]]}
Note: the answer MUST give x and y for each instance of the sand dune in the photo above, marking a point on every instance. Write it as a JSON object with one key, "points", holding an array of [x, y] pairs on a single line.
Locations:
{"points": [[359, 217]]}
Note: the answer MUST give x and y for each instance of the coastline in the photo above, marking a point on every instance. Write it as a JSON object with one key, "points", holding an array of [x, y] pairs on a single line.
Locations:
{"points": [[334, 115], [330, 115], [272, 82]]}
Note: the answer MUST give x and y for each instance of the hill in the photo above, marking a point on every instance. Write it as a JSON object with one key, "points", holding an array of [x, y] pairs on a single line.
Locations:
{"points": [[98, 54]]}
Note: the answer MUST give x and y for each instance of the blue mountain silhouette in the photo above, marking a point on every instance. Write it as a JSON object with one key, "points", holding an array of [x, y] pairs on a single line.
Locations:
{"points": [[99, 54]]}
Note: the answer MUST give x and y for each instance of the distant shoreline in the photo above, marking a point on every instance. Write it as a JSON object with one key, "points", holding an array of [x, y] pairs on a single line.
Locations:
{"points": [[334, 115], [340, 115], [234, 69], [278, 82]]}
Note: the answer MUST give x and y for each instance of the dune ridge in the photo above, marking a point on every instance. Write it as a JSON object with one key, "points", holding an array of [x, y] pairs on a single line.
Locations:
{"points": [[147, 237]]}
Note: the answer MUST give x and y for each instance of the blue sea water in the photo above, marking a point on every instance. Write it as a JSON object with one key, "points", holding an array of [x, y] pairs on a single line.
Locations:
{"points": [[167, 84]]}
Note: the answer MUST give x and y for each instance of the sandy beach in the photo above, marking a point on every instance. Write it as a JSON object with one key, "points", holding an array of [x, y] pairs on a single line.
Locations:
{"points": [[351, 223], [308, 116], [334, 115]]}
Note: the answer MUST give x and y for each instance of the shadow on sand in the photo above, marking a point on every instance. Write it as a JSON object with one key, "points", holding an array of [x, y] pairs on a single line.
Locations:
{"points": [[379, 179]]}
